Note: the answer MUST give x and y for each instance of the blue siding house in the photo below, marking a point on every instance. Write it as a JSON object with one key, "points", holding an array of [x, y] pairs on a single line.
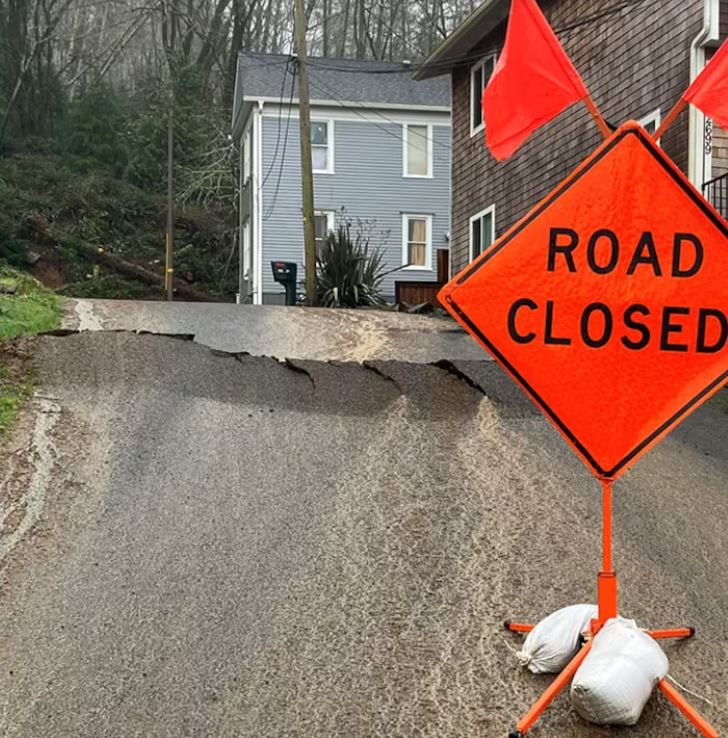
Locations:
{"points": [[381, 158]]}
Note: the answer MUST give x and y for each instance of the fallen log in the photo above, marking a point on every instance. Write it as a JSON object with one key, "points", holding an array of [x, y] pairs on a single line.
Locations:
{"points": [[40, 226]]}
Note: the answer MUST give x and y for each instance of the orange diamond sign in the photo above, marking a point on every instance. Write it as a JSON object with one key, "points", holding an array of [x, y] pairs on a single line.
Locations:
{"points": [[608, 302]]}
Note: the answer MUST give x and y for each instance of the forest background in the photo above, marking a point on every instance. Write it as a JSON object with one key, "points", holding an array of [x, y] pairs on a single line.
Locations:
{"points": [[86, 87]]}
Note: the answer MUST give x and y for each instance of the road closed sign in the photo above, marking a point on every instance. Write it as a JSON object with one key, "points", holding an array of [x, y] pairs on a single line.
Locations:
{"points": [[608, 302]]}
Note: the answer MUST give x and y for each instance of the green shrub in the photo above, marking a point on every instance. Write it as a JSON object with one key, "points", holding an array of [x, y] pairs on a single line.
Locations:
{"points": [[349, 274]]}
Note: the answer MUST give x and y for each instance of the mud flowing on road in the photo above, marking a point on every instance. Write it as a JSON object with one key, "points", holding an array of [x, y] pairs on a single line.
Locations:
{"points": [[233, 545]]}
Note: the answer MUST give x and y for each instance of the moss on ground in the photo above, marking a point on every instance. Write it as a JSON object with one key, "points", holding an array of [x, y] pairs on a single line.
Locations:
{"points": [[30, 310]]}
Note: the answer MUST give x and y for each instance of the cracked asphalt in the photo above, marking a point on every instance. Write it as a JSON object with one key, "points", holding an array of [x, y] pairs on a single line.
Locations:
{"points": [[224, 543]]}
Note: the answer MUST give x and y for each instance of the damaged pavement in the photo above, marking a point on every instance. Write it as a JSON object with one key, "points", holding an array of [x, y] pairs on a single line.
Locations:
{"points": [[317, 528]]}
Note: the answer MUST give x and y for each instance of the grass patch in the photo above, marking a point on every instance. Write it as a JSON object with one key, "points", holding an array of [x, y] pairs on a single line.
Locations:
{"points": [[15, 388], [30, 310]]}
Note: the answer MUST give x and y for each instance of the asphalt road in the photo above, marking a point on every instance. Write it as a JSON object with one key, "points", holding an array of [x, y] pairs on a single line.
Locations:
{"points": [[196, 543], [321, 334]]}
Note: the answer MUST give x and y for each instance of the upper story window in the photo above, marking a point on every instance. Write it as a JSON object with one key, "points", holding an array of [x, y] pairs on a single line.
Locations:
{"points": [[322, 146], [417, 150], [417, 241], [482, 231], [479, 76]]}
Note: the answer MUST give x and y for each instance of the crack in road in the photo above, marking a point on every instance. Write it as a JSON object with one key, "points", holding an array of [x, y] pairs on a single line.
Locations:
{"points": [[450, 368], [294, 365], [372, 367]]}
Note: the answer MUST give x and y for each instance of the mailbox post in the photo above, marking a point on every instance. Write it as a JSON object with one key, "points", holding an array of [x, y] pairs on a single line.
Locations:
{"points": [[285, 273]]}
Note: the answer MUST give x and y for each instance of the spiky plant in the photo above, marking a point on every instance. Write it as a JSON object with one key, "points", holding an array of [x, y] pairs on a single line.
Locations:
{"points": [[349, 273]]}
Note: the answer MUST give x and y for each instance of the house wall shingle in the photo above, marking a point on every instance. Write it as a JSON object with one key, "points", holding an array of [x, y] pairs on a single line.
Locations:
{"points": [[633, 62]]}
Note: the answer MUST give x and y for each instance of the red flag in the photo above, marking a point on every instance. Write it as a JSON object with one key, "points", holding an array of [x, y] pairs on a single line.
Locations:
{"points": [[534, 80], [709, 91]]}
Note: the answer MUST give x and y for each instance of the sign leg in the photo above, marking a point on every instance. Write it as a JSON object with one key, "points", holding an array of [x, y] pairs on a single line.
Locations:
{"points": [[607, 580], [518, 627], [703, 726], [561, 681], [671, 633]]}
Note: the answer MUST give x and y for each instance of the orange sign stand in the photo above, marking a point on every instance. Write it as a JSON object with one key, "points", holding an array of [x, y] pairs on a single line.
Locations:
{"points": [[607, 304]]}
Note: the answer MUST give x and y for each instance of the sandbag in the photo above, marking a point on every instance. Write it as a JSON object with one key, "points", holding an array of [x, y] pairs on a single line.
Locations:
{"points": [[615, 680], [550, 646]]}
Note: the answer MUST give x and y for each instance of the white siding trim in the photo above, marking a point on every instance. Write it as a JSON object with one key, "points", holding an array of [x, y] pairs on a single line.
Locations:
{"points": [[654, 117], [405, 240], [355, 104], [258, 209], [487, 211], [369, 115], [405, 145]]}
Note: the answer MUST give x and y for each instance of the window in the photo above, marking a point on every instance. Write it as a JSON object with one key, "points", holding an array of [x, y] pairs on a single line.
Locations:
{"points": [[479, 76], [417, 150], [651, 122], [482, 231], [323, 222], [247, 160], [417, 241], [322, 146]]}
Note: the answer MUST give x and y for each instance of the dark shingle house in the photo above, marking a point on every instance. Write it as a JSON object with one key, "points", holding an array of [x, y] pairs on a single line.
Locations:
{"points": [[636, 58]]}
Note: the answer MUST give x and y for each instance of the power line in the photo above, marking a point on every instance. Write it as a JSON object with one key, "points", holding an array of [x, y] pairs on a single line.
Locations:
{"points": [[270, 209], [280, 120]]}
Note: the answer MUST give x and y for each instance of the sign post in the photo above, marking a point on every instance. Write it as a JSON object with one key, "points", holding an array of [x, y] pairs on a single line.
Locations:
{"points": [[607, 304]]}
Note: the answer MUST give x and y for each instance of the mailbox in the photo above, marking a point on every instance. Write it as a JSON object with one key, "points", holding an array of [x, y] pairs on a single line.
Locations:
{"points": [[285, 273]]}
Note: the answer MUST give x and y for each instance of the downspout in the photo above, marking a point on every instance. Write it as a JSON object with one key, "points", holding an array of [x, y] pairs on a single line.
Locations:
{"points": [[258, 209], [241, 196], [696, 120]]}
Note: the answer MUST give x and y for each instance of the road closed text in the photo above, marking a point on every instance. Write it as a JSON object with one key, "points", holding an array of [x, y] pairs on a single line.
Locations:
{"points": [[669, 328]]}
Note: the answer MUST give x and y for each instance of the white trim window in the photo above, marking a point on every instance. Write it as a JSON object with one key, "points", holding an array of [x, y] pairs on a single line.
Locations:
{"points": [[482, 231], [322, 146], [323, 223], [479, 76], [247, 154], [417, 241], [247, 261], [416, 150], [651, 122]]}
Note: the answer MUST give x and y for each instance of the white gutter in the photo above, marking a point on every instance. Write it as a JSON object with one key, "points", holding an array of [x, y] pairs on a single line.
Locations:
{"points": [[323, 102], [696, 125]]}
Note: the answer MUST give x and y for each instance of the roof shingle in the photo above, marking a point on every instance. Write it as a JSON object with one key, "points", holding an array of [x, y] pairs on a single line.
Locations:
{"points": [[341, 80]]}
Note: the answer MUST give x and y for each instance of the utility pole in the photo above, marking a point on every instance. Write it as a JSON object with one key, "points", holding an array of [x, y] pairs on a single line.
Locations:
{"points": [[304, 108], [168, 267]]}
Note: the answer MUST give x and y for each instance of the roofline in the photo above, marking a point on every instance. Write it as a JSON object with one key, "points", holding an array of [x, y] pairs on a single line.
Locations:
{"points": [[475, 27], [345, 59], [352, 104]]}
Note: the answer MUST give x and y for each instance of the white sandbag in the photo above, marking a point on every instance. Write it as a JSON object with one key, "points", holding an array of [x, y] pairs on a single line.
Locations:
{"points": [[617, 677], [550, 646]]}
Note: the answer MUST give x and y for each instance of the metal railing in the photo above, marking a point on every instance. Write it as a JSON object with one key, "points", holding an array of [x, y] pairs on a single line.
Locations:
{"points": [[715, 192]]}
